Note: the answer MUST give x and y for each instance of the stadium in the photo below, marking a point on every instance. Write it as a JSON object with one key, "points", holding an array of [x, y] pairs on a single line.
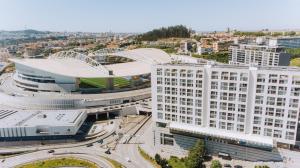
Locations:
{"points": [[101, 81]]}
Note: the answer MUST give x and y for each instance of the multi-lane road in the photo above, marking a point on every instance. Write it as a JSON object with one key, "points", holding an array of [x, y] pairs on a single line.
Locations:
{"points": [[126, 154]]}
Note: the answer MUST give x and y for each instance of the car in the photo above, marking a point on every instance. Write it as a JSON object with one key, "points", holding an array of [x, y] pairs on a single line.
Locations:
{"points": [[227, 166], [100, 141], [127, 159], [108, 152], [238, 166], [51, 151], [89, 145]]}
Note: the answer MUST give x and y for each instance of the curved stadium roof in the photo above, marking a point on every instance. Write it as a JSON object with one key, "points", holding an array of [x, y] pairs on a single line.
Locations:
{"points": [[82, 66]]}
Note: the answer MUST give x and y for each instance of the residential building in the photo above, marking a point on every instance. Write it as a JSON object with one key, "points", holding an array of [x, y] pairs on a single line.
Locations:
{"points": [[232, 107], [286, 42], [258, 54]]}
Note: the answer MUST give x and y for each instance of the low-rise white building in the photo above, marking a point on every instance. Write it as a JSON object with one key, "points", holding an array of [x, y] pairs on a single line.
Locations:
{"points": [[16, 124]]}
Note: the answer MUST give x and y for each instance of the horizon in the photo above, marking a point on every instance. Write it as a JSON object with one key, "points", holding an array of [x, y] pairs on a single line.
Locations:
{"points": [[141, 16]]}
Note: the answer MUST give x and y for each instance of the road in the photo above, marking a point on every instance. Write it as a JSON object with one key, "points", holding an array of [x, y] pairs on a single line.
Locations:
{"points": [[96, 152], [130, 149]]}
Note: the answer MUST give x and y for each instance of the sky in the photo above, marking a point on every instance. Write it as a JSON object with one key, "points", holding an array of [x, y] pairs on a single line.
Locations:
{"points": [[144, 15]]}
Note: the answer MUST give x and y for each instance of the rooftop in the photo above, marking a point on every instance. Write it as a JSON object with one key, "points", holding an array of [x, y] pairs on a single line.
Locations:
{"points": [[253, 139], [14, 118], [84, 67]]}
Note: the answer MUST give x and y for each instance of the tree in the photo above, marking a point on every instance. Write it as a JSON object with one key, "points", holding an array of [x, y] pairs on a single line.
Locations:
{"points": [[157, 158], [195, 156], [215, 164]]}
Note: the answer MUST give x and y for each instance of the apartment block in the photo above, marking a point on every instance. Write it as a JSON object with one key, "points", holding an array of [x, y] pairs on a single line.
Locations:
{"points": [[251, 106], [261, 55]]}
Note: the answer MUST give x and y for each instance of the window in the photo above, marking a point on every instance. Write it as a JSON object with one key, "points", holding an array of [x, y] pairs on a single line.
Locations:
{"points": [[230, 126], [282, 90], [261, 78], [199, 83], [240, 117], [292, 114], [279, 112], [213, 95], [231, 96], [214, 85], [224, 86], [242, 97], [270, 100], [244, 77], [257, 120], [159, 80], [280, 101], [159, 71], [233, 76], [240, 128], [256, 130], [267, 132], [283, 79], [166, 139], [241, 108], [291, 125], [198, 93], [232, 86], [290, 135], [269, 122], [214, 75], [243, 87], [295, 91], [294, 103], [198, 121], [258, 110], [278, 123], [271, 89], [224, 76], [260, 88]]}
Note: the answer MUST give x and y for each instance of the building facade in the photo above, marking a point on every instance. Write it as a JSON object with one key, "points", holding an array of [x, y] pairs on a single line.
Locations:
{"points": [[258, 54], [242, 106], [286, 42]]}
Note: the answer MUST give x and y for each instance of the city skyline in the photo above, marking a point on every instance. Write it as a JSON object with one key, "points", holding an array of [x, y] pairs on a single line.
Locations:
{"points": [[142, 16]]}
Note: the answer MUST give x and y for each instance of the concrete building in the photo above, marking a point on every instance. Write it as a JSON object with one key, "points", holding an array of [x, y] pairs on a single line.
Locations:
{"points": [[286, 42], [233, 108], [258, 54], [221, 45], [32, 125]]}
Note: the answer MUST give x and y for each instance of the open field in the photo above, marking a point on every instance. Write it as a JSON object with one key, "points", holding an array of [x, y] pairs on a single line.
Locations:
{"points": [[102, 83], [295, 62], [60, 162]]}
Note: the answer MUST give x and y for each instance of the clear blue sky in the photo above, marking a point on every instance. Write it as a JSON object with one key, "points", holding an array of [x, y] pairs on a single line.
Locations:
{"points": [[144, 15]]}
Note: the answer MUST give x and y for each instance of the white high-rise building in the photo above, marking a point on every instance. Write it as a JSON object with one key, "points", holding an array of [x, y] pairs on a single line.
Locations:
{"points": [[252, 106], [258, 54]]}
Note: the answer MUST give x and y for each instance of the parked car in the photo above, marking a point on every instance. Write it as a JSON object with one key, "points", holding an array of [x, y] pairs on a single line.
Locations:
{"points": [[108, 152], [51, 151]]}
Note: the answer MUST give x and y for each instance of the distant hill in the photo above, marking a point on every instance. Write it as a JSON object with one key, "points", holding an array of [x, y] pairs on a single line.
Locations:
{"points": [[179, 31]]}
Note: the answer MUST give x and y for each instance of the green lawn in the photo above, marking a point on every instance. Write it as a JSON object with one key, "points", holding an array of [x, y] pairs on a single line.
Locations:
{"points": [[175, 162], [114, 163], [101, 82], [148, 158], [60, 162], [295, 62]]}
